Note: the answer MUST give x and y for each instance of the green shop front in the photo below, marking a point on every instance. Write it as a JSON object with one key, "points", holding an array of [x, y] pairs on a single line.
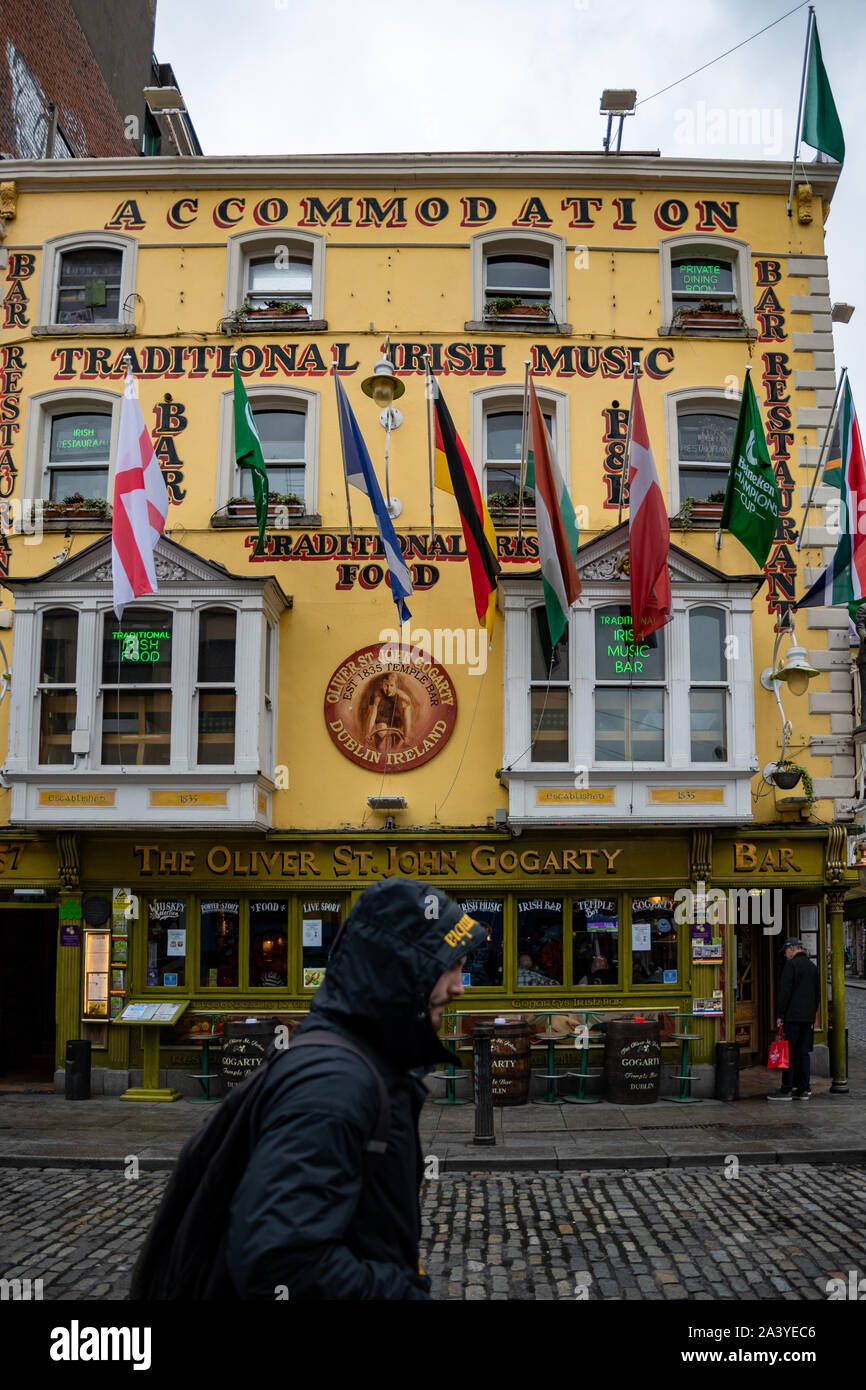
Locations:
{"points": [[673, 924]]}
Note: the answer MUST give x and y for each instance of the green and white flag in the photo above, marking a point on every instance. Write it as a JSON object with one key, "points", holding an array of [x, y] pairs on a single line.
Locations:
{"points": [[248, 452], [822, 128], [751, 509]]}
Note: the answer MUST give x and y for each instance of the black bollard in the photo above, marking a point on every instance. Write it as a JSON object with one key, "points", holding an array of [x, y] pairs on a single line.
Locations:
{"points": [[483, 1085], [78, 1069]]}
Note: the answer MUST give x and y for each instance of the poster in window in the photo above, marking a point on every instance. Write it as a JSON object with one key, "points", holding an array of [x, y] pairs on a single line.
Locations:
{"points": [[169, 979], [176, 943], [312, 932], [641, 936], [313, 976]]}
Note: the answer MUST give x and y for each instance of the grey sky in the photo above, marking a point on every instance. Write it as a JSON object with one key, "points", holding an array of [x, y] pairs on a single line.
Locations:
{"points": [[290, 76]]}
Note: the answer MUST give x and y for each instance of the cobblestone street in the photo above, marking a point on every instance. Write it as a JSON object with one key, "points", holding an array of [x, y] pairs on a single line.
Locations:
{"points": [[687, 1234]]}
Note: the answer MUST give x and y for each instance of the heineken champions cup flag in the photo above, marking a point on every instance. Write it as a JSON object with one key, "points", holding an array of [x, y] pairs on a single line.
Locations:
{"points": [[751, 508]]}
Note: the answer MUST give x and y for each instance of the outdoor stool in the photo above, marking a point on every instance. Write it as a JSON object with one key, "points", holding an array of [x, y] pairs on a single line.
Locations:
{"points": [[684, 1076]]}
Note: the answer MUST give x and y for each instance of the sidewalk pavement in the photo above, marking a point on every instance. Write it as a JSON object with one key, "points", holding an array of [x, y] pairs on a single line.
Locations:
{"points": [[47, 1131]]}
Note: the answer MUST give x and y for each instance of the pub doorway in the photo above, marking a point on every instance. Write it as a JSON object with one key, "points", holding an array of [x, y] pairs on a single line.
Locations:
{"points": [[28, 961], [750, 1012]]}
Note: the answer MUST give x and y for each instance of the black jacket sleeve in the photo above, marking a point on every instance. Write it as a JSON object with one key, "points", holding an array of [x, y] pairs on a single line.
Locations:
{"points": [[786, 989], [301, 1189]]}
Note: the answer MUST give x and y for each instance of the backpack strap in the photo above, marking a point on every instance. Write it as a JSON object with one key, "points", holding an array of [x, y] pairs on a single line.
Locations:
{"points": [[321, 1037]]}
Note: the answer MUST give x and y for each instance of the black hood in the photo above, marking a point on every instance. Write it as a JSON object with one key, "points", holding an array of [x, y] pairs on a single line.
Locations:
{"points": [[398, 939]]}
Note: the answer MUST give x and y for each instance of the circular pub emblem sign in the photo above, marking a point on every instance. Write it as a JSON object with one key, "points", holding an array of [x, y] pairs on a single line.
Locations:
{"points": [[390, 716]]}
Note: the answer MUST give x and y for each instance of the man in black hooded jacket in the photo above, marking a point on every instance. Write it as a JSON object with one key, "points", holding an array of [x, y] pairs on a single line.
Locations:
{"points": [[307, 1220]]}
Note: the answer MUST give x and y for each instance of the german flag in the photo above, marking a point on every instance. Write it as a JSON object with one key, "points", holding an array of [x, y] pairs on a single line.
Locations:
{"points": [[455, 474]]}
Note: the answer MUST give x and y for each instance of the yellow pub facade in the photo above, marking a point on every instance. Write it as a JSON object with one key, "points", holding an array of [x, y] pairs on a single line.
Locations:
{"points": [[193, 797]]}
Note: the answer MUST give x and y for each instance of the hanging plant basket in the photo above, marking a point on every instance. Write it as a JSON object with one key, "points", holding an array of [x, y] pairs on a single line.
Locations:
{"points": [[785, 780]]}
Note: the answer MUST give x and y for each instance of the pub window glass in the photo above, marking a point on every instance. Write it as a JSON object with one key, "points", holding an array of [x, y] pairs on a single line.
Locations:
{"points": [[595, 941], [708, 691], [484, 966], [89, 286], [272, 281], [629, 690], [79, 453], [283, 436], [220, 934], [703, 276], [705, 446], [216, 691], [539, 942], [57, 695], [548, 693], [166, 943], [503, 441], [269, 943], [526, 279], [136, 688], [319, 924], [653, 941]]}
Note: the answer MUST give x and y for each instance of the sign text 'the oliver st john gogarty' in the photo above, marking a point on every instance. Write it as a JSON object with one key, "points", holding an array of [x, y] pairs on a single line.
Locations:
{"points": [[343, 860]]}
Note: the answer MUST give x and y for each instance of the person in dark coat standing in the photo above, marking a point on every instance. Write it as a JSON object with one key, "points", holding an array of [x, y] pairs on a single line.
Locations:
{"points": [[797, 1005], [307, 1220]]}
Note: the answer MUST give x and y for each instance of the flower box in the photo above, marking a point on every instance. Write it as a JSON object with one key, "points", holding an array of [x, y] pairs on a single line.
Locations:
{"points": [[519, 311]]}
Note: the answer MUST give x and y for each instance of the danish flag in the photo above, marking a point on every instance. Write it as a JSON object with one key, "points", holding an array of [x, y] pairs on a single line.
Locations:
{"points": [[140, 505], [649, 533]]}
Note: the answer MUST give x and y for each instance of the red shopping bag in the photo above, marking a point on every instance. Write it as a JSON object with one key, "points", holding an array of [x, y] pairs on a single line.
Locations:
{"points": [[778, 1052]]}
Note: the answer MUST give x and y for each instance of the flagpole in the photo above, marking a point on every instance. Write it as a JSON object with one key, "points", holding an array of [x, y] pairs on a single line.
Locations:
{"points": [[809, 27], [733, 462], [821, 453], [523, 433], [343, 451], [622, 476], [430, 387]]}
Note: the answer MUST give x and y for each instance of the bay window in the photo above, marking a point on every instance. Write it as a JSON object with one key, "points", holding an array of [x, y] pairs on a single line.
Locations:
{"points": [[58, 699], [138, 721], [708, 687], [549, 693]]}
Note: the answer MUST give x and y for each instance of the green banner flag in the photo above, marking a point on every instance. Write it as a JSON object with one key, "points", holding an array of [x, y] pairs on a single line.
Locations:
{"points": [[822, 128], [751, 509], [248, 452]]}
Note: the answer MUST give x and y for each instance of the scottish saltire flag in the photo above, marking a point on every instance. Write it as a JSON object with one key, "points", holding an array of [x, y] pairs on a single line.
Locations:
{"points": [[359, 472], [140, 505], [844, 579]]}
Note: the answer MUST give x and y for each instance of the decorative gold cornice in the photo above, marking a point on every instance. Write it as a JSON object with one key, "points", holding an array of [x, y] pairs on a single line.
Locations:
{"points": [[8, 200]]}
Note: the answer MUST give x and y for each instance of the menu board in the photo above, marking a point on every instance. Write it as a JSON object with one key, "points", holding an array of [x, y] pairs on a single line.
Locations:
{"points": [[153, 1013]]}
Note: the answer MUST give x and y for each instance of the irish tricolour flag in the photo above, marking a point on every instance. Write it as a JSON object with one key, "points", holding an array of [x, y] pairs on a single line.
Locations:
{"points": [[556, 523], [844, 579]]}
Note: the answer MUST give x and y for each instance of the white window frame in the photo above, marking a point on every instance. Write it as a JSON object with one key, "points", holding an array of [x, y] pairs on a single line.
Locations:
{"points": [[668, 713], [242, 247], [630, 780], [42, 407], [187, 586], [508, 396], [263, 397], [724, 685], [698, 400], [49, 280], [707, 244], [498, 242]]}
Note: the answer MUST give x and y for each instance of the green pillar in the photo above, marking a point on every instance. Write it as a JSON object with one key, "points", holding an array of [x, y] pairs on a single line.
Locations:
{"points": [[68, 976], [838, 1063]]}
